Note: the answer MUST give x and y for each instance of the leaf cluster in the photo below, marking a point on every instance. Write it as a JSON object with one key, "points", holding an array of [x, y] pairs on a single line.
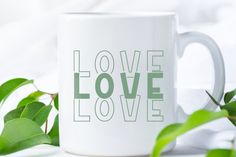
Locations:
{"points": [[23, 124], [196, 119]]}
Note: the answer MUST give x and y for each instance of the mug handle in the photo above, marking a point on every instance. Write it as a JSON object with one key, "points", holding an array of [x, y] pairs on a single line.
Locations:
{"points": [[187, 38]]}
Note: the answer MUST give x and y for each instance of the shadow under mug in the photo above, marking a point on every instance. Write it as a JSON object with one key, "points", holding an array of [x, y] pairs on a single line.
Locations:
{"points": [[118, 80]]}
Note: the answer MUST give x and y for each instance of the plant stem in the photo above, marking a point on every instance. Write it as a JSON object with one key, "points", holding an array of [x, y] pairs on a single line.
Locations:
{"points": [[51, 94], [46, 123], [232, 117], [46, 127], [35, 87]]}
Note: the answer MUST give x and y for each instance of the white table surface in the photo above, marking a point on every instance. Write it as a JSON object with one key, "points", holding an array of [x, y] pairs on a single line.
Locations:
{"points": [[51, 151]]}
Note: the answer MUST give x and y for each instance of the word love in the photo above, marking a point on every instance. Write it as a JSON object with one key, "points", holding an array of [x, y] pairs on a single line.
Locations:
{"points": [[129, 96]]}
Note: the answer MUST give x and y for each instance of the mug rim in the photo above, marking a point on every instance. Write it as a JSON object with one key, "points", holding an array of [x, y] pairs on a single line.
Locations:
{"points": [[121, 14]]}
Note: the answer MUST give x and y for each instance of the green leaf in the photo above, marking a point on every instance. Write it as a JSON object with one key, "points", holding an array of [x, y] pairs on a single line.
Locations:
{"points": [[221, 153], [42, 115], [54, 132], [31, 109], [35, 111], [10, 86], [213, 99], [56, 102], [229, 96], [21, 133], [171, 132], [231, 108], [13, 114], [31, 98]]}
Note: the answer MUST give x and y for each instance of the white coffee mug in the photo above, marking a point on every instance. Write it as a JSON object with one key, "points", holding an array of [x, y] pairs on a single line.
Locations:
{"points": [[118, 80]]}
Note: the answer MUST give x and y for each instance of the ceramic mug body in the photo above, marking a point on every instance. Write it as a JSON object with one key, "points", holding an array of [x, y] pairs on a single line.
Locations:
{"points": [[117, 81]]}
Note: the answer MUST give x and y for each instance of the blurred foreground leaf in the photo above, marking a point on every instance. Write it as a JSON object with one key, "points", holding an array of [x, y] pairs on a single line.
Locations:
{"points": [[221, 153], [171, 132]]}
